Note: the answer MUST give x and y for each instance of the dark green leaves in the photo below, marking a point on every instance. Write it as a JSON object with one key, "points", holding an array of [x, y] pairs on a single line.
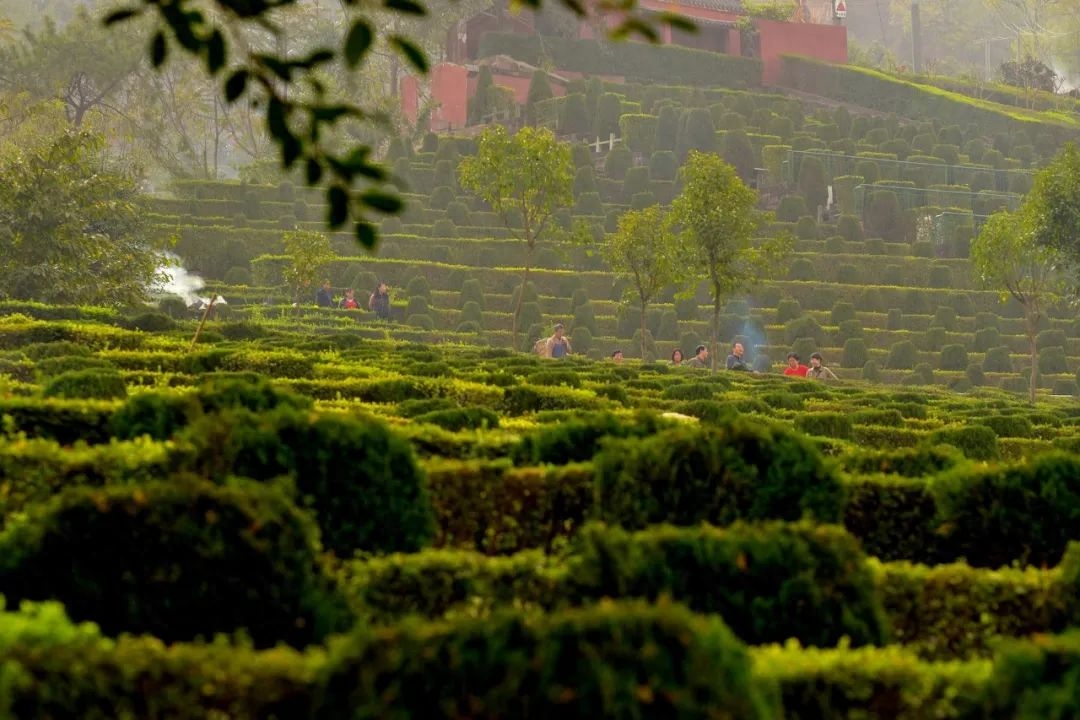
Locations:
{"points": [[337, 206], [411, 52], [357, 42], [235, 85], [365, 235], [383, 202], [407, 7], [120, 15], [158, 49], [215, 52]]}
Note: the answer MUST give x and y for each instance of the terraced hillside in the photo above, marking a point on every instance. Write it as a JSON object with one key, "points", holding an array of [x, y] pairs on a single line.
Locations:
{"points": [[880, 284], [514, 516]]}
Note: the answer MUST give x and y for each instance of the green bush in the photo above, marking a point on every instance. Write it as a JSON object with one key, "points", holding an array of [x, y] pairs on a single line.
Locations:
{"points": [[945, 316], [715, 474], [53, 366], [977, 442], [580, 438], [579, 663], [855, 353], [801, 269], [893, 516], [993, 516], [825, 424], [997, 359], [871, 371], [791, 208], [894, 319], [359, 478], [617, 162], [953, 357], [773, 581], [788, 309], [987, 338], [460, 418], [176, 560], [1008, 425], [841, 311], [1032, 680], [902, 355], [95, 383], [152, 322], [1052, 360], [940, 276], [804, 327]]}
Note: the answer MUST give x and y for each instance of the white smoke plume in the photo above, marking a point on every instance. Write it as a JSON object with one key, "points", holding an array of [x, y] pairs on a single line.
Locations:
{"points": [[182, 283]]}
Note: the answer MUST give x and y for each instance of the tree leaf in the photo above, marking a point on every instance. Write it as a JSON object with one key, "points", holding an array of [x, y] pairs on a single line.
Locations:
{"points": [[382, 201], [215, 52], [235, 85], [358, 42], [313, 171], [158, 49], [407, 7], [412, 53], [120, 15], [275, 119], [337, 206], [291, 149], [366, 235]]}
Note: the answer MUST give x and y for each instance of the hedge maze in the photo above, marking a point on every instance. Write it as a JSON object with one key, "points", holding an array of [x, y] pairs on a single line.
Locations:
{"points": [[311, 514]]}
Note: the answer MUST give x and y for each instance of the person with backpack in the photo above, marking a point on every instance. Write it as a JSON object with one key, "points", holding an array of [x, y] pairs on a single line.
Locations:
{"points": [[556, 346]]}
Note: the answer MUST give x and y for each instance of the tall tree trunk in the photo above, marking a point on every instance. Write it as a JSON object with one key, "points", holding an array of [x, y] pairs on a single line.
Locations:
{"points": [[521, 295], [644, 306], [715, 330], [1032, 317]]}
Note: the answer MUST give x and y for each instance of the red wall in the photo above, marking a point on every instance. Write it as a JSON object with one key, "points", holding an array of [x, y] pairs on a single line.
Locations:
{"points": [[450, 91], [410, 97], [824, 42]]}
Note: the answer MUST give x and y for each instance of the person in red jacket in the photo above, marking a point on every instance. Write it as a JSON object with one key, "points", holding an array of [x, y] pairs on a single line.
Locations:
{"points": [[794, 367]]}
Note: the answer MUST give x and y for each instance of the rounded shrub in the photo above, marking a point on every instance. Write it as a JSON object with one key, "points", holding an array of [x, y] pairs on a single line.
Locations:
{"points": [[154, 414], [359, 478], [902, 355], [987, 338], [999, 514], [417, 305], [420, 320], [791, 208], [976, 442], [1052, 361], [855, 353], [788, 309], [849, 329], [841, 311], [575, 663], [471, 312], [871, 371], [152, 322], [945, 316], [806, 228], [953, 357], [715, 474], [98, 384], [804, 327], [177, 559], [461, 418], [458, 212], [894, 319], [850, 228], [802, 269], [581, 339], [809, 582], [418, 286], [441, 197], [998, 359], [826, 424], [444, 228], [236, 275], [471, 291]]}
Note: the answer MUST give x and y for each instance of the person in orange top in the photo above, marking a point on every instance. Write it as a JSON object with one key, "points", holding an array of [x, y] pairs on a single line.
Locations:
{"points": [[794, 367]]}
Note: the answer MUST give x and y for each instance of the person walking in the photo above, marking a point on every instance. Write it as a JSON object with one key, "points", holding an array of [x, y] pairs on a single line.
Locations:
{"points": [[818, 371]]}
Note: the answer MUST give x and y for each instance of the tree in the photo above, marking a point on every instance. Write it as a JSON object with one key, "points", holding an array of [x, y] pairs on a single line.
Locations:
{"points": [[717, 214], [1031, 74], [71, 230], [539, 90], [1007, 256], [1053, 208], [528, 175], [308, 252], [297, 103], [646, 251]]}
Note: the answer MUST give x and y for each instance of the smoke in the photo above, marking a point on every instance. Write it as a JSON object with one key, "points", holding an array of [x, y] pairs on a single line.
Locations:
{"points": [[178, 281]]}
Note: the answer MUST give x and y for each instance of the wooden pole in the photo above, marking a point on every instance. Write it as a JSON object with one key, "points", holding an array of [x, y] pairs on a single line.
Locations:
{"points": [[206, 314]]}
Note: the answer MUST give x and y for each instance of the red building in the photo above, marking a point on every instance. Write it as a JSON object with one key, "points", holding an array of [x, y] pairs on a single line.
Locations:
{"points": [[818, 34]]}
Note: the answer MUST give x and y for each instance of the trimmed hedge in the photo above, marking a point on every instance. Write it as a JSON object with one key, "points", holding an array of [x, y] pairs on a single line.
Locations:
{"points": [[717, 474], [360, 479], [771, 582], [614, 661], [177, 559]]}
